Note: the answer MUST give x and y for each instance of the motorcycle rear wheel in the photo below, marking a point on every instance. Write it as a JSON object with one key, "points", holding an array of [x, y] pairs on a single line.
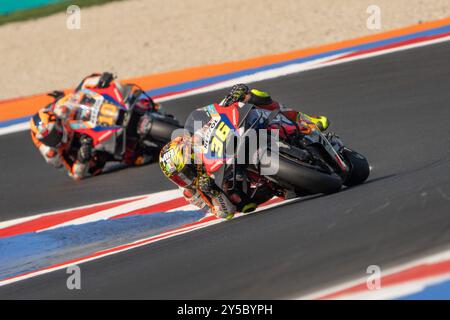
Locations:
{"points": [[161, 131]]}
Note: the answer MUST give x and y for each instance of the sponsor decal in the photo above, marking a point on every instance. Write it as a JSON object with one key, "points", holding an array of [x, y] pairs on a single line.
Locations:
{"points": [[208, 132]]}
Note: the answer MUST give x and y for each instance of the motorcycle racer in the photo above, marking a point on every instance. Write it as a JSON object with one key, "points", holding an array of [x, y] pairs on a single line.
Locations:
{"points": [[181, 162], [48, 135], [198, 188]]}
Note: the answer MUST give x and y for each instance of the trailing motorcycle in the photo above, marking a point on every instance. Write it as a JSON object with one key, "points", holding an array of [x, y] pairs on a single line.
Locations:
{"points": [[112, 117]]}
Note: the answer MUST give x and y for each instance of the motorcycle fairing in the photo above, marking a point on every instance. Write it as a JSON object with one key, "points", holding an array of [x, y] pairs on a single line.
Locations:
{"points": [[223, 125], [317, 137], [97, 117], [100, 135], [219, 124], [113, 92]]}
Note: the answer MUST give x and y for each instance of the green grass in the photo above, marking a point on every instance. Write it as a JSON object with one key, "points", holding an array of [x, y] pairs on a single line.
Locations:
{"points": [[48, 10]]}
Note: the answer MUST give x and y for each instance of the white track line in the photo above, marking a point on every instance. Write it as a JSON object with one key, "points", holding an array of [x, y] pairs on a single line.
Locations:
{"points": [[8, 223], [149, 200], [15, 128], [301, 67]]}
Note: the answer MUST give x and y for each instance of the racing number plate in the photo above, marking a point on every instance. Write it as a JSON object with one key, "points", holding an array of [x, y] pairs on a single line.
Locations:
{"points": [[104, 114], [217, 140]]}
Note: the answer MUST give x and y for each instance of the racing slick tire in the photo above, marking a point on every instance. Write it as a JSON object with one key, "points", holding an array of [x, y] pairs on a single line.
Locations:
{"points": [[359, 167], [161, 131]]}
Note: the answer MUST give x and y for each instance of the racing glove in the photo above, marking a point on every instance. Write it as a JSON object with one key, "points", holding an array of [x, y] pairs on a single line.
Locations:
{"points": [[237, 94]]}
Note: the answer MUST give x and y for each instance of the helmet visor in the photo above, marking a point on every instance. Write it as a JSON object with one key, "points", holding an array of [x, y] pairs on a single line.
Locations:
{"points": [[50, 134], [53, 138]]}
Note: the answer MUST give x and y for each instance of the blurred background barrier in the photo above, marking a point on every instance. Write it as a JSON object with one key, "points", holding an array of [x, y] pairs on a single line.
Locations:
{"points": [[8, 6], [157, 36]]}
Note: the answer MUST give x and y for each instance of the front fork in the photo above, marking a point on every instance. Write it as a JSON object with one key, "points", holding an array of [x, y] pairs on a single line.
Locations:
{"points": [[316, 136]]}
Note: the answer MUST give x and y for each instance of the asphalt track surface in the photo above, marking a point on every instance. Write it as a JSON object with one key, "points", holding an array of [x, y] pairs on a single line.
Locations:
{"points": [[394, 108]]}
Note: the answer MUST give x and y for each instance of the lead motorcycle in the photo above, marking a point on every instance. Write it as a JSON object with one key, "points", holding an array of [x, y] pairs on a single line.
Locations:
{"points": [[239, 156]]}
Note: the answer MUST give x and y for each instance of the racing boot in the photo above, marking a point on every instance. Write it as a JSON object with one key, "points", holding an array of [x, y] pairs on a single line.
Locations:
{"points": [[243, 204], [321, 122]]}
